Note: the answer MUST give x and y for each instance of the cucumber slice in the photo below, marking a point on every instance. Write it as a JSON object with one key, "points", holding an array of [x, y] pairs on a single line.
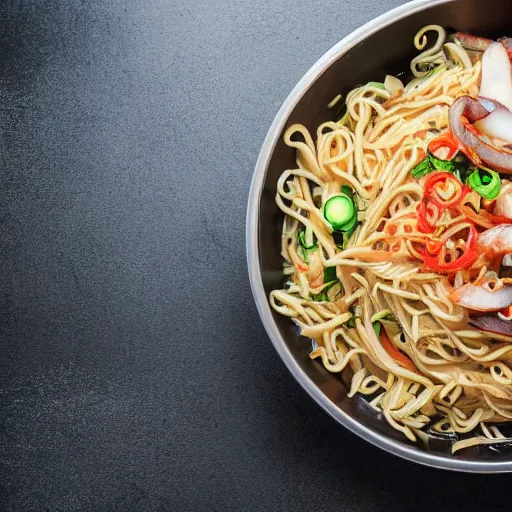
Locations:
{"points": [[340, 212]]}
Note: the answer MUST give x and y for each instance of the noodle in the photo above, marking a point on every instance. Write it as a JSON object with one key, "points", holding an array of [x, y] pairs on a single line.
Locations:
{"points": [[366, 294]]}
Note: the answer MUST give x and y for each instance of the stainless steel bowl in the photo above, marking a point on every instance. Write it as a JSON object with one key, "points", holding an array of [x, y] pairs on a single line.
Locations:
{"points": [[381, 46]]}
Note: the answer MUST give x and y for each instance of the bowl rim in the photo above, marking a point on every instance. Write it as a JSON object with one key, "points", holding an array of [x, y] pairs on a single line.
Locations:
{"points": [[255, 274]]}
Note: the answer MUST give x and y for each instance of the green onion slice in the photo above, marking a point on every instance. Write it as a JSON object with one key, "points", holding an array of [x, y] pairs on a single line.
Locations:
{"points": [[330, 274], [378, 85], [486, 182], [307, 239]]}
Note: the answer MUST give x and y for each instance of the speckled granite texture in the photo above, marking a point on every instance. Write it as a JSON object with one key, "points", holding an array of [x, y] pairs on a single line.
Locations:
{"points": [[135, 373]]}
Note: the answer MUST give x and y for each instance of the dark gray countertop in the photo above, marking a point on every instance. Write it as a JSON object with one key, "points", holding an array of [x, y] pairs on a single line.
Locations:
{"points": [[135, 373]]}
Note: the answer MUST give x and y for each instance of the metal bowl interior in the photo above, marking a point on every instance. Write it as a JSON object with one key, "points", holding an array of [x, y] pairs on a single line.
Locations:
{"points": [[382, 46]]}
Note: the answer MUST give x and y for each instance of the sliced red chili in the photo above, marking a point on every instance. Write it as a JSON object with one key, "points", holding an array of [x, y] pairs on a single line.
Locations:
{"points": [[439, 264], [434, 246], [428, 216], [500, 219], [445, 190], [445, 141], [396, 354]]}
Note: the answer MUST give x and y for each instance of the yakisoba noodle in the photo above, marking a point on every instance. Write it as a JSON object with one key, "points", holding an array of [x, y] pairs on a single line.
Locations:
{"points": [[384, 261]]}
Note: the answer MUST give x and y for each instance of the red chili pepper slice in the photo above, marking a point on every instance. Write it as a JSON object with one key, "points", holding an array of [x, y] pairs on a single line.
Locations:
{"points": [[500, 219], [398, 356], [442, 191], [445, 141], [439, 183], [434, 246], [428, 216], [465, 261]]}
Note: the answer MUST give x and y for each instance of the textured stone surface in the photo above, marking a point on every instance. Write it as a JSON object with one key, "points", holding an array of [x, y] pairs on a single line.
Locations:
{"points": [[135, 374]]}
